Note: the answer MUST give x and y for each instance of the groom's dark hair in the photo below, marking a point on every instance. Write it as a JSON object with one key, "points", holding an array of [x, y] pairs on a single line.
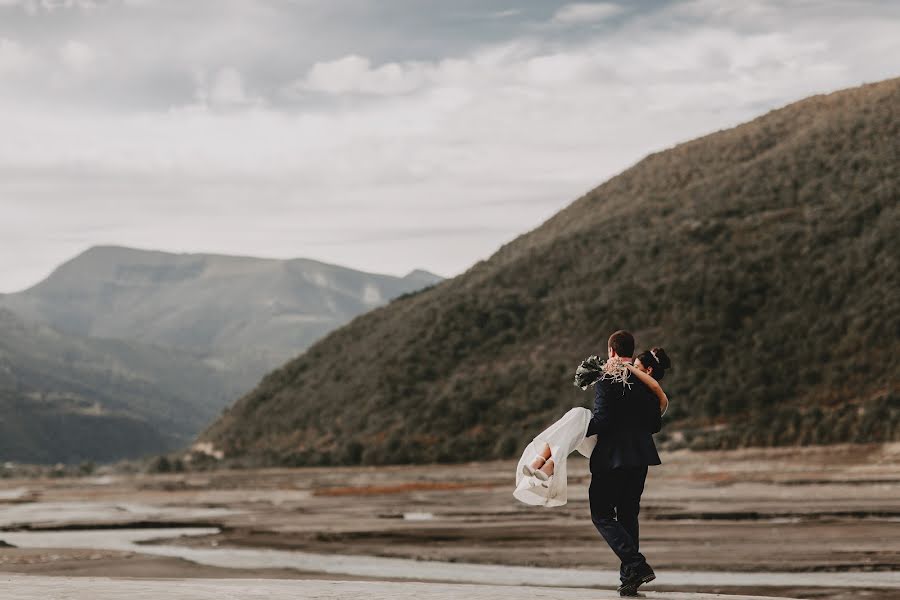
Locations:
{"points": [[622, 343]]}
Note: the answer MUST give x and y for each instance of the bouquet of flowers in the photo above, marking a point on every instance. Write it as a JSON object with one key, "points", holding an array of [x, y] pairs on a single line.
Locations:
{"points": [[593, 369]]}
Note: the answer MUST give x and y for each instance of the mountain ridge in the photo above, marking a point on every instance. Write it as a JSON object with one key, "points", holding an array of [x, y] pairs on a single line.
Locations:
{"points": [[101, 249], [122, 352], [243, 313], [747, 253]]}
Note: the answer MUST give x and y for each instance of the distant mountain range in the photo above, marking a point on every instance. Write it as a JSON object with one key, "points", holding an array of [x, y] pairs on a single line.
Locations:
{"points": [[764, 258], [66, 398], [242, 315], [121, 352]]}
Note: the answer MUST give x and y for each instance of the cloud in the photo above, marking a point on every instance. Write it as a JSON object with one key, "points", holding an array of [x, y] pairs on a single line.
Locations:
{"points": [[14, 57], [503, 14], [226, 89], [354, 74], [586, 12], [195, 145], [77, 56], [536, 108], [35, 7]]}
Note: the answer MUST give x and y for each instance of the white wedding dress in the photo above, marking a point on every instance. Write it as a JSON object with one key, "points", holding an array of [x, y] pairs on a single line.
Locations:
{"points": [[564, 437]]}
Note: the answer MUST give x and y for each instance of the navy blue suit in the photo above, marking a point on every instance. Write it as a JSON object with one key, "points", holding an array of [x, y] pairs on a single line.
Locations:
{"points": [[625, 419]]}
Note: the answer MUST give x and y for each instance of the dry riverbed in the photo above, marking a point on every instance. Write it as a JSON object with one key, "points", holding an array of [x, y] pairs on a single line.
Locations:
{"points": [[827, 515]]}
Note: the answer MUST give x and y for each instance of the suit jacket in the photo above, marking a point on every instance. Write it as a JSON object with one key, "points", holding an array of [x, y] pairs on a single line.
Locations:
{"points": [[624, 420]]}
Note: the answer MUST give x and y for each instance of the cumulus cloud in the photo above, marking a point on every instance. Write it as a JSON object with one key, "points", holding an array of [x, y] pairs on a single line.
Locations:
{"points": [[77, 56], [354, 74], [14, 58], [586, 12], [370, 147], [225, 90], [35, 7]]}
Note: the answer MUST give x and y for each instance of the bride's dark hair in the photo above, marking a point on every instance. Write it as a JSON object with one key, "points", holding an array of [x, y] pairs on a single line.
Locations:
{"points": [[656, 359]]}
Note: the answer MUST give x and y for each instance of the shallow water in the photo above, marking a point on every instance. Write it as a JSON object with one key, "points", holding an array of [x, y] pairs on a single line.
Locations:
{"points": [[372, 566], [99, 512], [13, 494]]}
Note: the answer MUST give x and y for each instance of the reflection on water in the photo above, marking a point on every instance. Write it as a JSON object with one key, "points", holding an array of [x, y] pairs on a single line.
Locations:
{"points": [[418, 516], [100, 512], [99, 539], [372, 566], [14, 494]]}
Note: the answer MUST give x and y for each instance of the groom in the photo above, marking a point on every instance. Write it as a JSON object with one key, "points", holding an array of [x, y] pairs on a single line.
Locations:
{"points": [[625, 419]]}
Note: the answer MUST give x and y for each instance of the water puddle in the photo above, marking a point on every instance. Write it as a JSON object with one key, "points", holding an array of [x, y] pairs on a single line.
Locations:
{"points": [[19, 494], [381, 567], [47, 513], [418, 516]]}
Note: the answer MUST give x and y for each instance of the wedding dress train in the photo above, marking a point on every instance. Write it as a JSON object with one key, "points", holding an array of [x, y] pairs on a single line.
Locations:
{"points": [[564, 437]]}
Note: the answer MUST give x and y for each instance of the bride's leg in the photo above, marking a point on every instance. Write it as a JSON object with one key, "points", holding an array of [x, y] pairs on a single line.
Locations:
{"points": [[541, 459], [548, 466]]}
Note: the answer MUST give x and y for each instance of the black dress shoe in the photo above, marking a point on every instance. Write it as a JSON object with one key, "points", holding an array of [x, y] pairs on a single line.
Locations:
{"points": [[634, 580]]}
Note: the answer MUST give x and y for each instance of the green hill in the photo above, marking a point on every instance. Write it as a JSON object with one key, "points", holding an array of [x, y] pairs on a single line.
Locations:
{"points": [[764, 258], [66, 398]]}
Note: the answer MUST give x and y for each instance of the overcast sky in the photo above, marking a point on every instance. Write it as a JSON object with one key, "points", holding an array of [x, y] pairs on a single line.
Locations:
{"points": [[381, 135]]}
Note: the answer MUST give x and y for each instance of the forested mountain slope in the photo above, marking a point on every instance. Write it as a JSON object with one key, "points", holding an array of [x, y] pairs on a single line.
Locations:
{"points": [[764, 258], [67, 398]]}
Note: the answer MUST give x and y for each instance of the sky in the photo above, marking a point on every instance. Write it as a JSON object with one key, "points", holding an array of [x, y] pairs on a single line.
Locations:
{"points": [[380, 135]]}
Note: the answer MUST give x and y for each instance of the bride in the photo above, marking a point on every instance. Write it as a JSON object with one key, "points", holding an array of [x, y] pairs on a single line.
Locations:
{"points": [[541, 472]]}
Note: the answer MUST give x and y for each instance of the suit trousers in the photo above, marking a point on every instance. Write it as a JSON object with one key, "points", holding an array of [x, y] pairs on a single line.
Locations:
{"points": [[615, 499]]}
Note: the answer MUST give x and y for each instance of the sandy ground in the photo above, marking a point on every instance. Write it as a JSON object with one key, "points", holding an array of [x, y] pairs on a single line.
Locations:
{"points": [[43, 588], [813, 510]]}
